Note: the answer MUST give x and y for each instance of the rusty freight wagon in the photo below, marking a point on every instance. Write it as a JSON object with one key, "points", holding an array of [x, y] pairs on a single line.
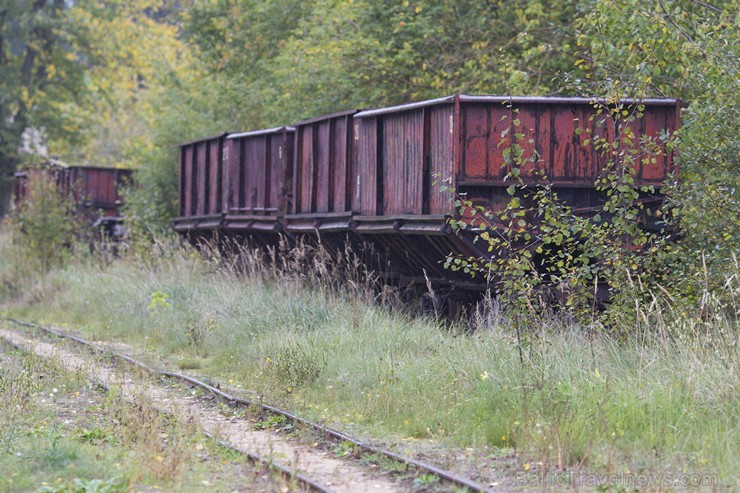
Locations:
{"points": [[202, 179], [412, 160], [52, 169], [323, 179], [95, 191], [258, 190]]}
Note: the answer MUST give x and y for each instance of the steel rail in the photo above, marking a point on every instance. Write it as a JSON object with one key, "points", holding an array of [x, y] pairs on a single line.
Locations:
{"points": [[253, 457], [444, 475]]}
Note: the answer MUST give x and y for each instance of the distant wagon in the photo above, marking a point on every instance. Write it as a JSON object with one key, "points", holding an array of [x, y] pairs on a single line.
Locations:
{"points": [[96, 192]]}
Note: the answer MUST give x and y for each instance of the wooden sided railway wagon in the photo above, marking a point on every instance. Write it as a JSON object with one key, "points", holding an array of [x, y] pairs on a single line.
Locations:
{"points": [[389, 176], [95, 191]]}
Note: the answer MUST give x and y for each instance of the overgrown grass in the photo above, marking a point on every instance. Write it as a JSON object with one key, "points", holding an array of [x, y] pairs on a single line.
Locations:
{"points": [[661, 401]]}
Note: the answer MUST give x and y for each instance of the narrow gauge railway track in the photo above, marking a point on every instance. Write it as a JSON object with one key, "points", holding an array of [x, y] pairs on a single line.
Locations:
{"points": [[445, 476], [289, 474]]}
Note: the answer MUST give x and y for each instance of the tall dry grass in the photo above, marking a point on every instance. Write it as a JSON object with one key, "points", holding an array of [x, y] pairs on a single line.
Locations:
{"points": [[312, 331]]}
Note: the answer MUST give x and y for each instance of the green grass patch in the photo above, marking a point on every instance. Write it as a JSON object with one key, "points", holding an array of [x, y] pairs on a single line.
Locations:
{"points": [[567, 398], [61, 434]]}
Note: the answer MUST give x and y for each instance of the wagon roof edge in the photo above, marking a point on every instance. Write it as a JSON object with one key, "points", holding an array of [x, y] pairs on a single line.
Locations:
{"points": [[202, 139], [404, 107], [97, 167], [315, 119], [467, 98], [55, 163], [256, 133], [564, 100]]}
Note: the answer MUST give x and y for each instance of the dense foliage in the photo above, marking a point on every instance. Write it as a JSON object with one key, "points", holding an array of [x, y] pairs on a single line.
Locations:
{"points": [[120, 82], [687, 49]]}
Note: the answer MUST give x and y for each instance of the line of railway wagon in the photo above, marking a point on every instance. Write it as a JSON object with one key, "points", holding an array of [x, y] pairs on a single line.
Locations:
{"points": [[389, 176]]}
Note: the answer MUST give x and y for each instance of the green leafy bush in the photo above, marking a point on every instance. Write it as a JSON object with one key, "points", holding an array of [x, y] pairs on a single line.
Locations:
{"points": [[45, 226]]}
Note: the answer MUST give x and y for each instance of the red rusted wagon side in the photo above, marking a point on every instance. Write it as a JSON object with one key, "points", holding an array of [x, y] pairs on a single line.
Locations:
{"points": [[258, 188], [97, 190], [323, 178], [201, 184], [412, 160]]}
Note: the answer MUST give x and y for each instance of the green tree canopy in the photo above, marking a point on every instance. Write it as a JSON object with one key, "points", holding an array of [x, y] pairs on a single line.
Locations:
{"points": [[41, 69]]}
